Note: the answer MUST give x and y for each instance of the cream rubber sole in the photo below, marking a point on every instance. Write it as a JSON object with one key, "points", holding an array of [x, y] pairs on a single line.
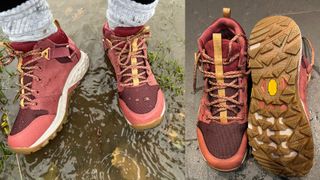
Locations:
{"points": [[152, 124], [279, 131]]}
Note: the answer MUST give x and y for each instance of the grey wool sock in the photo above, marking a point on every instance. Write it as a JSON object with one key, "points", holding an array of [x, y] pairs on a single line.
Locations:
{"points": [[30, 21], [128, 13]]}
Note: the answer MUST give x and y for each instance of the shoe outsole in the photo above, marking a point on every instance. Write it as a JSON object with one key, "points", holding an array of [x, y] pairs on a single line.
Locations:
{"points": [[28, 150], [151, 125], [279, 131]]}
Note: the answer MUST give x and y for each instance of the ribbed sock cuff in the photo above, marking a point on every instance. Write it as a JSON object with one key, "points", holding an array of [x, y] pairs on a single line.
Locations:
{"points": [[30, 21], [128, 13]]}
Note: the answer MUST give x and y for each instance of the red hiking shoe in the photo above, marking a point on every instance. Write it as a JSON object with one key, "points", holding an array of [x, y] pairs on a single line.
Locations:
{"points": [[222, 118], [49, 70], [140, 97]]}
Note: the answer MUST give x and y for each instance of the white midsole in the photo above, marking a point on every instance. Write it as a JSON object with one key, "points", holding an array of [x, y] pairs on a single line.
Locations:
{"points": [[74, 77]]}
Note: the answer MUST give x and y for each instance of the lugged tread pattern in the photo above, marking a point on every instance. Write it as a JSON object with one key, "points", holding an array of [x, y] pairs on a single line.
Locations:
{"points": [[278, 131]]}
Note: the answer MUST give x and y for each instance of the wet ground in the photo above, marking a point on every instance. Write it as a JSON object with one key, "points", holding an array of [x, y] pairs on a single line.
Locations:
{"points": [[97, 143], [199, 16]]}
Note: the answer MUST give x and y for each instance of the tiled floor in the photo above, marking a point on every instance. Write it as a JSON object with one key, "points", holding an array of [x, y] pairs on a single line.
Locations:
{"points": [[199, 15]]}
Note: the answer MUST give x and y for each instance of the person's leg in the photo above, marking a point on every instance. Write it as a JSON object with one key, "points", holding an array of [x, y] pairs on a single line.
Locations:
{"points": [[130, 13], [26, 20], [6, 5], [144, 1]]}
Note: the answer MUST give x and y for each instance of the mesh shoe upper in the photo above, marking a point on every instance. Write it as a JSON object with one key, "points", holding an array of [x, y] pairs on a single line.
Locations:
{"points": [[24, 118], [223, 141], [141, 99]]}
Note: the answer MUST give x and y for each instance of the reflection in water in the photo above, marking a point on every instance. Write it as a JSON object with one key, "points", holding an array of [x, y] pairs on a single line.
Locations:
{"points": [[128, 166]]}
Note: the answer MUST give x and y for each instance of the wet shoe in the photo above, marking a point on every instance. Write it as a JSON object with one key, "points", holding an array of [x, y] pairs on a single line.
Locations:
{"points": [[279, 129], [222, 117], [49, 70], [141, 100]]}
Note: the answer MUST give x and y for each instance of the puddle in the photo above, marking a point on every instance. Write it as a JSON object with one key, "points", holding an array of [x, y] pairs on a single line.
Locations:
{"points": [[97, 143]]}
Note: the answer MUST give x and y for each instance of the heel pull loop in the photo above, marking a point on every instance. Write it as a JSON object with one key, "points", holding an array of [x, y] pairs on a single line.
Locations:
{"points": [[56, 22], [226, 12], [195, 70]]}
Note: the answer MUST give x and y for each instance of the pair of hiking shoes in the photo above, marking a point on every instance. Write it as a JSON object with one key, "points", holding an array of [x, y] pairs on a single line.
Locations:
{"points": [[276, 124], [50, 69]]}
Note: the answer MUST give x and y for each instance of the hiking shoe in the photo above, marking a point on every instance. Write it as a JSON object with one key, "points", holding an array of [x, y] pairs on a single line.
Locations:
{"points": [[141, 100], [49, 70], [222, 118], [279, 129]]}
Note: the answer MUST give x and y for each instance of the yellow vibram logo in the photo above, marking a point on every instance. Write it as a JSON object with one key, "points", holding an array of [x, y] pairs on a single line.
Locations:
{"points": [[272, 87]]}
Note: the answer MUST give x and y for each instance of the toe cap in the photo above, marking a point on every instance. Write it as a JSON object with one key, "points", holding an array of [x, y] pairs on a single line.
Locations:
{"points": [[30, 134], [142, 99], [137, 119], [223, 147]]}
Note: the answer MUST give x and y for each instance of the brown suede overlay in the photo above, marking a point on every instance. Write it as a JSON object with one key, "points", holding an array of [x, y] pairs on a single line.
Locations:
{"points": [[222, 141], [24, 118], [140, 99]]}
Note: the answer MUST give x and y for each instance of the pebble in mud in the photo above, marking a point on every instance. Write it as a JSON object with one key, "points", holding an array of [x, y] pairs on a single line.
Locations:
{"points": [[99, 132]]}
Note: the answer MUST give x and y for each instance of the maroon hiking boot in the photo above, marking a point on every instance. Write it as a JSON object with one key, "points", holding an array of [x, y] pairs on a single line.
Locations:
{"points": [[222, 118], [140, 97], [49, 70]]}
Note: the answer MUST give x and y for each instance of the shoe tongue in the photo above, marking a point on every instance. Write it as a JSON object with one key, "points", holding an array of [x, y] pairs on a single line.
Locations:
{"points": [[129, 31], [140, 70], [126, 31], [226, 68], [225, 51]]}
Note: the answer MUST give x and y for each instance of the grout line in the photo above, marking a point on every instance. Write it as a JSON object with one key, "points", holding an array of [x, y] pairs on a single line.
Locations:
{"points": [[20, 173], [190, 140], [301, 12]]}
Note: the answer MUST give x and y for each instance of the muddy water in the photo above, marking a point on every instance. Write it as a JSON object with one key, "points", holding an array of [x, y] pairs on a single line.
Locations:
{"points": [[97, 143]]}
